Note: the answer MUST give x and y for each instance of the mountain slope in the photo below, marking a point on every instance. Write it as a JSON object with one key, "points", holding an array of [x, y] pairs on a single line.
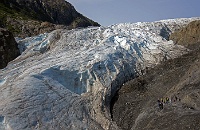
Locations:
{"points": [[19, 15], [188, 35], [66, 79], [136, 104], [8, 48]]}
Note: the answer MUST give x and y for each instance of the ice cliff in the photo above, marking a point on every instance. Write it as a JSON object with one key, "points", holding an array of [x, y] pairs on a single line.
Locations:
{"points": [[65, 79]]}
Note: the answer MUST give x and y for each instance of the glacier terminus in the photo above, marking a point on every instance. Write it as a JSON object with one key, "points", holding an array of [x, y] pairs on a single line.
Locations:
{"points": [[66, 79]]}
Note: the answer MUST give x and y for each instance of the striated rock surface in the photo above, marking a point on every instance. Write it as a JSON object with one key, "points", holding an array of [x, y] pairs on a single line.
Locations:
{"points": [[188, 35], [8, 48], [66, 79]]}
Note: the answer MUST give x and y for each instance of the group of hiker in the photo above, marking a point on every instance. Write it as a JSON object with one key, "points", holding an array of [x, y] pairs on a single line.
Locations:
{"points": [[166, 100], [162, 101]]}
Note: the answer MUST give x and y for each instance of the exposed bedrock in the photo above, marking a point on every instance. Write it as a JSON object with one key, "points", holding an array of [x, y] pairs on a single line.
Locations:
{"points": [[8, 47]]}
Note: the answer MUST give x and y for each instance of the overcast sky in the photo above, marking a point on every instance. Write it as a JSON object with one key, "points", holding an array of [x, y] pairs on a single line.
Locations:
{"points": [[107, 12]]}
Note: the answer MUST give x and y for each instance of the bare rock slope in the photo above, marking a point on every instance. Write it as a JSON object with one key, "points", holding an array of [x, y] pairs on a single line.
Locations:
{"points": [[135, 106], [189, 35]]}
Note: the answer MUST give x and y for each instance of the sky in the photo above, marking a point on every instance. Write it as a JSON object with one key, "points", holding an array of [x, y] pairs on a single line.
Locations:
{"points": [[108, 12]]}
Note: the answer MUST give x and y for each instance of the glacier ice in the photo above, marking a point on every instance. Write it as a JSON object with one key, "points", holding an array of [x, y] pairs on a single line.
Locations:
{"points": [[65, 79], [23, 44]]}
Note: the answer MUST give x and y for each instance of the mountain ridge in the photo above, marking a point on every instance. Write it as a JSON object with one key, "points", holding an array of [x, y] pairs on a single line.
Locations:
{"points": [[19, 16]]}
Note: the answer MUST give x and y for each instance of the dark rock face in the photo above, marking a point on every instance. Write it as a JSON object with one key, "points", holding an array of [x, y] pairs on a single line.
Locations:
{"points": [[187, 36], [1, 24], [135, 106], [20, 15], [8, 47]]}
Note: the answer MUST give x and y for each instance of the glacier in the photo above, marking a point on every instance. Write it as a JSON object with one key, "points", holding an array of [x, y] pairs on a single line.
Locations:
{"points": [[66, 79]]}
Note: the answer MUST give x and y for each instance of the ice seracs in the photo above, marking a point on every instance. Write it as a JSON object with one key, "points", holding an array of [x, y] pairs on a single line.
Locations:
{"points": [[65, 79]]}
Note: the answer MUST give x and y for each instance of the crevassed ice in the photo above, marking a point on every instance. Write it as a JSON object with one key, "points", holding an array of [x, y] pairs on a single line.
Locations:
{"points": [[23, 44], [66, 78], [85, 55]]}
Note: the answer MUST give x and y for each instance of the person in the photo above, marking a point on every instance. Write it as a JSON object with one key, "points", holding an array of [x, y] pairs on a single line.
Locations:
{"points": [[161, 99], [164, 100], [161, 105], [158, 100], [167, 100]]}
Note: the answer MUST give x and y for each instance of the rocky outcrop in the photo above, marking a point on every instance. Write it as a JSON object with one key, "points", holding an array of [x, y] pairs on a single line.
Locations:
{"points": [[188, 35], [19, 14], [135, 106], [28, 28], [8, 47]]}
